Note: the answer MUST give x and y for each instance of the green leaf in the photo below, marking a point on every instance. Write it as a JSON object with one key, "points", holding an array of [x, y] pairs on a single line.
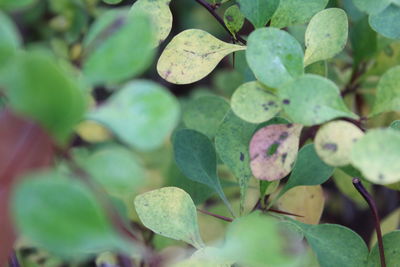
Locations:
{"points": [[196, 158], [116, 168], [12, 5], [371, 6], [117, 47], [395, 125], [388, 92], [318, 68], [326, 35], [191, 55], [205, 114], [274, 56], [232, 144], [233, 19], [377, 155], [273, 150], [258, 12], [40, 89], [392, 252], [62, 216], [335, 245], [9, 35], [309, 169], [170, 212], [386, 22], [253, 103], [160, 14], [292, 12], [312, 99], [388, 224], [363, 40], [334, 142], [112, 2], [142, 114]]}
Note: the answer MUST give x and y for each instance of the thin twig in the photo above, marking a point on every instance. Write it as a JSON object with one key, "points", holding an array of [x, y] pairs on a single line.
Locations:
{"points": [[211, 10], [227, 219], [371, 203]]}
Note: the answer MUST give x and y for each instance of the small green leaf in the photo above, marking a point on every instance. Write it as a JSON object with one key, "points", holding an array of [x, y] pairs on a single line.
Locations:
{"points": [[392, 252], [205, 114], [335, 245], [274, 56], [326, 35], [273, 150], [334, 142], [112, 2], [116, 168], [318, 68], [258, 12], [292, 12], [191, 55], [395, 125], [309, 169], [253, 103], [233, 19], [62, 216], [170, 212], [9, 35], [377, 155], [39, 88], [386, 22], [142, 114], [388, 92], [12, 5], [371, 6], [363, 40], [196, 158], [117, 47], [160, 15], [312, 99], [232, 144]]}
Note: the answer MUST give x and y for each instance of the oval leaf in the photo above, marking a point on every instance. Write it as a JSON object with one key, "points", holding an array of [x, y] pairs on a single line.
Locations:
{"points": [[170, 212], [377, 155], [371, 6], [142, 114], [312, 99], [191, 55], [253, 103], [233, 19], [386, 22], [160, 15], [388, 92], [119, 39], [273, 150], [258, 12], [334, 142], [326, 35], [274, 56]]}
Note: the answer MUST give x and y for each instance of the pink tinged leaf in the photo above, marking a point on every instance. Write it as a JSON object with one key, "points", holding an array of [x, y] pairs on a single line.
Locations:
{"points": [[273, 151]]}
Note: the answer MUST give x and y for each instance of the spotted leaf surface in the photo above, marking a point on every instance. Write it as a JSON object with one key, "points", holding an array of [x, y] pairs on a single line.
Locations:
{"points": [[192, 55], [170, 212], [334, 142], [160, 14], [377, 155], [233, 19], [326, 35], [273, 150], [253, 103]]}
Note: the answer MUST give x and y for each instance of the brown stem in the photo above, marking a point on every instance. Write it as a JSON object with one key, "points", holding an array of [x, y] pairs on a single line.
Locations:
{"points": [[371, 203], [354, 82], [211, 10], [227, 219]]}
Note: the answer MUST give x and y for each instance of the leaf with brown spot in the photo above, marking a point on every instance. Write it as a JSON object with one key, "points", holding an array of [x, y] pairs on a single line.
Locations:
{"points": [[273, 150]]}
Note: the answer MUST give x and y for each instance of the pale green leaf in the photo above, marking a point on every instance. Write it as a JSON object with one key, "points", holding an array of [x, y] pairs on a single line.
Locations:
{"points": [[258, 12], [312, 99], [117, 47], [371, 6], [292, 12], [160, 15], [392, 251], [205, 114], [377, 155], [170, 212], [233, 19], [142, 114], [273, 151], [255, 104], [191, 55], [274, 56], [388, 92], [386, 22], [326, 35], [334, 142], [395, 125], [9, 35]]}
